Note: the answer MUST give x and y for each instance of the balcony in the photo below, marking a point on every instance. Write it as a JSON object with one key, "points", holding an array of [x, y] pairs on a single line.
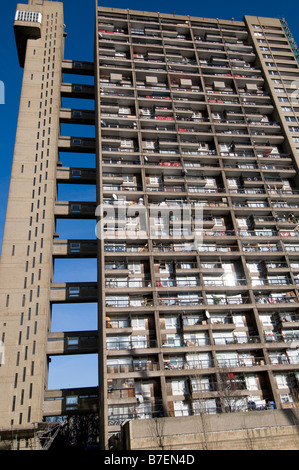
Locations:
{"points": [[189, 365], [210, 248], [276, 300], [77, 116], [174, 247], [241, 362], [280, 221], [125, 248], [259, 233], [76, 144], [179, 300], [222, 282], [132, 410], [69, 209], [74, 292], [128, 301], [138, 366], [76, 175], [123, 187], [129, 343], [223, 299], [162, 283], [77, 67], [130, 283], [235, 338], [72, 90], [78, 342], [180, 342], [285, 337]]}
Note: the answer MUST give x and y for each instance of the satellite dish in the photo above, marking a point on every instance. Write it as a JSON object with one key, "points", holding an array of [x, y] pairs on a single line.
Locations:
{"points": [[114, 197], [207, 314]]}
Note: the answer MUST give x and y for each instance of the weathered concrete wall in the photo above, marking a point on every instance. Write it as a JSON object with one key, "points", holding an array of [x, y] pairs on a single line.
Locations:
{"points": [[256, 430]]}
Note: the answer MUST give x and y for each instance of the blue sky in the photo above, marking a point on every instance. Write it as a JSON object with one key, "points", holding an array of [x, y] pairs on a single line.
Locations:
{"points": [[79, 20]]}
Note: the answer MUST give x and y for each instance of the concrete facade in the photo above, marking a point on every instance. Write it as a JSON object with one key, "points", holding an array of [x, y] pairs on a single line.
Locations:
{"points": [[197, 210]]}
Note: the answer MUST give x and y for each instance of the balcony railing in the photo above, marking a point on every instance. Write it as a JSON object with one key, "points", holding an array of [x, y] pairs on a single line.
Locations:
{"points": [[217, 248], [286, 317], [123, 247], [283, 359], [180, 342], [259, 233]]}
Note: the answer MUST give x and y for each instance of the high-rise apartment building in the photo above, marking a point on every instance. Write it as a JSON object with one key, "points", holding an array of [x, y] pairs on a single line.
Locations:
{"points": [[197, 210]]}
